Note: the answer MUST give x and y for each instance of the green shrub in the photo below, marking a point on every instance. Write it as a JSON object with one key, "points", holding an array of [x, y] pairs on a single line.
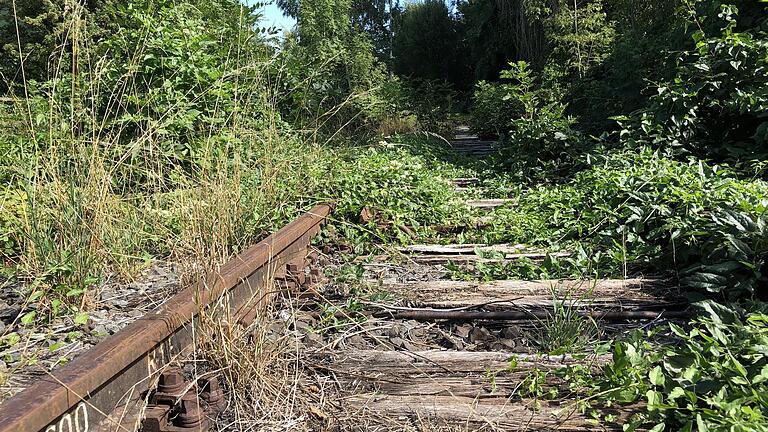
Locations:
{"points": [[714, 106], [330, 77], [713, 378], [493, 109], [531, 119], [654, 213], [404, 192], [433, 102], [12, 204]]}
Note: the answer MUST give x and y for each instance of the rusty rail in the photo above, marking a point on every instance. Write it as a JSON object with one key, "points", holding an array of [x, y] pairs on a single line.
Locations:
{"points": [[101, 389]]}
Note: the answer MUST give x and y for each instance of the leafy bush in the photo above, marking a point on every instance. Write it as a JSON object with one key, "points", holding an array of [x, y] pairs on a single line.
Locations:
{"points": [[176, 76], [493, 109], [733, 258], [434, 103], [530, 118], [11, 215], [652, 212], [426, 43], [330, 75], [714, 106], [160, 140], [713, 379], [392, 192]]}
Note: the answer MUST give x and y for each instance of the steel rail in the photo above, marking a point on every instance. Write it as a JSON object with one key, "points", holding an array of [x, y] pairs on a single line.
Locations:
{"points": [[83, 395]]}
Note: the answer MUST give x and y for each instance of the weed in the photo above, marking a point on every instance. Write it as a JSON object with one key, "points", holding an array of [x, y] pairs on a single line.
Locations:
{"points": [[347, 273], [565, 330], [711, 378]]}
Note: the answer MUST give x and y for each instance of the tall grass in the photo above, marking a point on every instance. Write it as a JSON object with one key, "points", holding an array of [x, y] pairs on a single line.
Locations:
{"points": [[94, 185]]}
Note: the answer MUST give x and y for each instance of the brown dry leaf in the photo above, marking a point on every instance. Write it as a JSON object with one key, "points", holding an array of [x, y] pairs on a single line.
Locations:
{"points": [[317, 412], [366, 215]]}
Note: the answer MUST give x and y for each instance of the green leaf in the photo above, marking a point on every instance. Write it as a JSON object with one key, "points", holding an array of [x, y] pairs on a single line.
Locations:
{"points": [[676, 329], [738, 366], [35, 296], [81, 318], [10, 339], [762, 377], [700, 424], [676, 393], [705, 280], [654, 400], [656, 376], [28, 318]]}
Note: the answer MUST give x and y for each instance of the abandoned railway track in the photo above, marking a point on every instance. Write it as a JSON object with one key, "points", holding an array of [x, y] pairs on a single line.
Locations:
{"points": [[106, 387], [399, 347]]}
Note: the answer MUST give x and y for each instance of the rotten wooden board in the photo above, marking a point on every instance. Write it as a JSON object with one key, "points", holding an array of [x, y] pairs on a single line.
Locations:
{"points": [[475, 374], [434, 259], [372, 364], [615, 294], [438, 259], [489, 204], [453, 387], [463, 249], [473, 143], [476, 152], [465, 181], [485, 414], [468, 136]]}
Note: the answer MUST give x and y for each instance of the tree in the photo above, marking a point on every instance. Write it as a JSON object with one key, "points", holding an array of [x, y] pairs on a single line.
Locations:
{"points": [[499, 31], [428, 45], [374, 18]]}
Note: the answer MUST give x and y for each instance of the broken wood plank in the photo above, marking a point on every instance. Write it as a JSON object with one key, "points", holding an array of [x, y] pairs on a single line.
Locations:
{"points": [[452, 387], [468, 292], [467, 136], [545, 303], [465, 181], [476, 151], [539, 296], [488, 204], [437, 259], [469, 142], [469, 259], [445, 361], [495, 413], [522, 314], [463, 249]]}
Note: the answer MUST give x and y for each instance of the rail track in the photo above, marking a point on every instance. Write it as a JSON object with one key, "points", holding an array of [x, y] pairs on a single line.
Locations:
{"points": [[405, 348], [107, 387], [400, 348]]}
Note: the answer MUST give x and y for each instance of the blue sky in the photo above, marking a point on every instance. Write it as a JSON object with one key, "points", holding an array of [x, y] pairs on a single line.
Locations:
{"points": [[274, 17]]}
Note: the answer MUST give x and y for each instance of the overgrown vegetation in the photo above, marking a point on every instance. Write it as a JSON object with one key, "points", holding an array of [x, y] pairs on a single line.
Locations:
{"points": [[634, 136], [712, 378]]}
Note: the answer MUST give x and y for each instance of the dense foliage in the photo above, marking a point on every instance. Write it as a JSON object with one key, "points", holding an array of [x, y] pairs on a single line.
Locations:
{"points": [[714, 106], [154, 131], [434, 54], [713, 379], [530, 118], [634, 134], [650, 212]]}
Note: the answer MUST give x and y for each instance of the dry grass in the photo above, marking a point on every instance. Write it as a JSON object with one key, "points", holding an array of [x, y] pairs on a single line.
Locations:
{"points": [[268, 387], [99, 199], [87, 197]]}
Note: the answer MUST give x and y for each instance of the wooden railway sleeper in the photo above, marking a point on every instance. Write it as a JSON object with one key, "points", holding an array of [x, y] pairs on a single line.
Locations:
{"points": [[180, 406]]}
